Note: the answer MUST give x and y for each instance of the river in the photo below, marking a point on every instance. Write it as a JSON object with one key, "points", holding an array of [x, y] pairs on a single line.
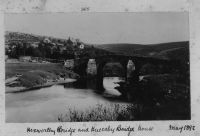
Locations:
{"points": [[46, 104]]}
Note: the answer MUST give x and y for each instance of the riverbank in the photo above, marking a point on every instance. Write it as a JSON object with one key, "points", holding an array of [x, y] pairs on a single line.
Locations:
{"points": [[22, 77], [53, 103], [102, 112], [24, 89]]}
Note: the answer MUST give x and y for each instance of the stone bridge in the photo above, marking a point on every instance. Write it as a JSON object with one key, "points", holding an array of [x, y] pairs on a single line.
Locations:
{"points": [[81, 66]]}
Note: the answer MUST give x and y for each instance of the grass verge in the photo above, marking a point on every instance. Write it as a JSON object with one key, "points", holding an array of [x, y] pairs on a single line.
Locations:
{"points": [[112, 112], [35, 74]]}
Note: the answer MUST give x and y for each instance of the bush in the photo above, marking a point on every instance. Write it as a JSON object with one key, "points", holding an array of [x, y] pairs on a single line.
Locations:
{"points": [[30, 79], [149, 69], [35, 78], [113, 112]]}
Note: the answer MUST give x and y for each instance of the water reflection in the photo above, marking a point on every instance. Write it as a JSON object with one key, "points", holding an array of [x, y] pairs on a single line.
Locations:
{"points": [[109, 84], [45, 104], [82, 84]]}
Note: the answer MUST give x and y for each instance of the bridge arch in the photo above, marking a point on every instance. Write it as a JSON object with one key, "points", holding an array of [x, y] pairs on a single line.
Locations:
{"points": [[100, 69], [81, 66]]}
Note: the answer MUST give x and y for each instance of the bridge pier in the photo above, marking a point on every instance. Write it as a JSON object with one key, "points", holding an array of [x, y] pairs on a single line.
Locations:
{"points": [[130, 68], [99, 76]]}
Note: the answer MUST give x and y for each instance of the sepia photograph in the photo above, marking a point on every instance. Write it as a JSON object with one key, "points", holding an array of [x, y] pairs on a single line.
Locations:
{"points": [[81, 67]]}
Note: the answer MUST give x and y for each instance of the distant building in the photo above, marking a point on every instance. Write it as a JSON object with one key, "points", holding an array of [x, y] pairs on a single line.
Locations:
{"points": [[62, 49], [25, 58], [60, 44], [35, 44], [69, 63], [53, 44], [46, 40], [73, 41], [69, 41], [82, 46]]}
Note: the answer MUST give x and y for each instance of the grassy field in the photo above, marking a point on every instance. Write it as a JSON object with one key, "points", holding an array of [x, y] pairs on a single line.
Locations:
{"points": [[20, 68], [33, 74]]}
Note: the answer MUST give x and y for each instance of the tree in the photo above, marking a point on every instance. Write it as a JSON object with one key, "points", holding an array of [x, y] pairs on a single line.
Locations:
{"points": [[69, 42], [36, 52], [41, 48]]}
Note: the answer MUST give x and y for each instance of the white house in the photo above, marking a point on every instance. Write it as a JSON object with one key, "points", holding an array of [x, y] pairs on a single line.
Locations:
{"points": [[82, 46], [25, 58]]}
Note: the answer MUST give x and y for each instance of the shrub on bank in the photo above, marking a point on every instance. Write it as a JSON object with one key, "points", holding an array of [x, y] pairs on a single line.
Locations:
{"points": [[113, 112], [36, 74], [35, 78]]}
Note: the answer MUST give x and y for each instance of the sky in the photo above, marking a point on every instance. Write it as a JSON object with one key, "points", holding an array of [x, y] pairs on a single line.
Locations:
{"points": [[104, 28]]}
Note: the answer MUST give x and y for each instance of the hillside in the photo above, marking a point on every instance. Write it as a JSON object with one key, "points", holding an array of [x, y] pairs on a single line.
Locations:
{"points": [[22, 44], [174, 50], [31, 38]]}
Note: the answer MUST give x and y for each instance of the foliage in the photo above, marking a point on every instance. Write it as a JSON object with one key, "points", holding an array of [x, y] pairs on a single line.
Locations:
{"points": [[53, 48], [113, 112], [31, 79]]}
